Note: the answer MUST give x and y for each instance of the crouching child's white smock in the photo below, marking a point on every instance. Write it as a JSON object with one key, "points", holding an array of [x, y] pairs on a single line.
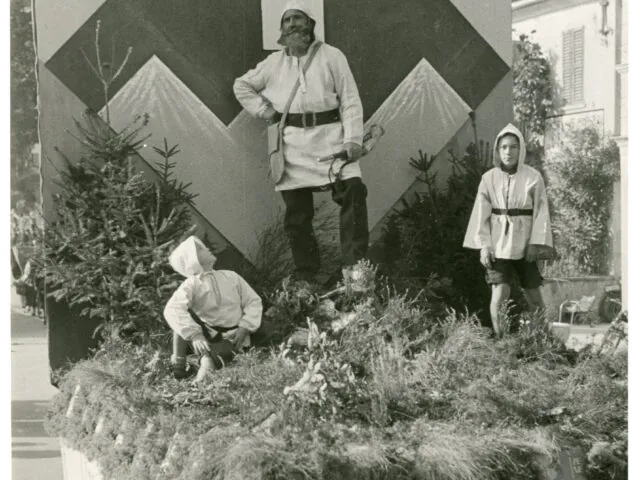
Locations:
{"points": [[220, 298]]}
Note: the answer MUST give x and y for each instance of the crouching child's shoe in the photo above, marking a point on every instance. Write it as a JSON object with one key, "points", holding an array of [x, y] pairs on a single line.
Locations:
{"points": [[180, 367]]}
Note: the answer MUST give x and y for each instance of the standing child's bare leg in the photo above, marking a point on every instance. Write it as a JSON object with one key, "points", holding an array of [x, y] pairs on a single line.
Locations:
{"points": [[499, 294]]}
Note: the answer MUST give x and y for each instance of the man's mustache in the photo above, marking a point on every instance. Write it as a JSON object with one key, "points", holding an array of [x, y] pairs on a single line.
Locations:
{"points": [[295, 29]]}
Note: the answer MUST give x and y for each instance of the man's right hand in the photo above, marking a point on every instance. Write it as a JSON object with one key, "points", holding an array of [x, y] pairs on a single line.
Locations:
{"points": [[487, 257], [269, 115], [200, 345]]}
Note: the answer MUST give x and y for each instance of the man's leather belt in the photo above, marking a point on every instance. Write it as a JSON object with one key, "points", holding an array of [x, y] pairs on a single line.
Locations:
{"points": [[512, 212], [309, 119]]}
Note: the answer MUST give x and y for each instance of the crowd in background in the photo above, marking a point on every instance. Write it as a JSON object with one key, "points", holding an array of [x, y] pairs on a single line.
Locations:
{"points": [[27, 225]]}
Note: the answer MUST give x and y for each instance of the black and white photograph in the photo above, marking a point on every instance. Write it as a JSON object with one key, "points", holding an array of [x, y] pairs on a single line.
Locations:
{"points": [[319, 240]]}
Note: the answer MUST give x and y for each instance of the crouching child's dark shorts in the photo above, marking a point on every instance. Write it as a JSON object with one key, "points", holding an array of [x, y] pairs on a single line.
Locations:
{"points": [[503, 271]]}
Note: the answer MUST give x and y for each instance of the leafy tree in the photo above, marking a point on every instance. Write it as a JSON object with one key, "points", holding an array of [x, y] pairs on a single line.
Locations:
{"points": [[582, 173], [24, 114], [533, 87]]}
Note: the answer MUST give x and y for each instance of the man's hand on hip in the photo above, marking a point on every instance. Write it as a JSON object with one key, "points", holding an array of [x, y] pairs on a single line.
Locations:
{"points": [[354, 151], [269, 115]]}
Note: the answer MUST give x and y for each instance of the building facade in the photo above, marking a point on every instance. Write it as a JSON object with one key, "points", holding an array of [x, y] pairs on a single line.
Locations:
{"points": [[586, 42]]}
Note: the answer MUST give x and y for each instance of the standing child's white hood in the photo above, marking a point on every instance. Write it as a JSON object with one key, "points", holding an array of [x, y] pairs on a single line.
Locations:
{"points": [[184, 259], [512, 129]]}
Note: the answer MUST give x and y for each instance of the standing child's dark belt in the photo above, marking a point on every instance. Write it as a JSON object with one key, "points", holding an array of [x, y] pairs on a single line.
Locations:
{"points": [[513, 212], [309, 119]]}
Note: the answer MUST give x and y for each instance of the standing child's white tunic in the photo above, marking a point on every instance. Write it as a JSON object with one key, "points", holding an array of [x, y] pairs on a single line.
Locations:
{"points": [[496, 220]]}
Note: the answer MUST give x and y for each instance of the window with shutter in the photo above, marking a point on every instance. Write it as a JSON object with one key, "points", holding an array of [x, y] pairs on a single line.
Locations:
{"points": [[573, 65]]}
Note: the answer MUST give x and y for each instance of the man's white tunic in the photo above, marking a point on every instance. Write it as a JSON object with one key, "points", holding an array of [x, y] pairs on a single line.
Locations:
{"points": [[328, 84]]}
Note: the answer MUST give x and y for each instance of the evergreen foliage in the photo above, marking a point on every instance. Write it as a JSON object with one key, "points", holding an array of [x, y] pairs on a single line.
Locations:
{"points": [[421, 247], [107, 250]]}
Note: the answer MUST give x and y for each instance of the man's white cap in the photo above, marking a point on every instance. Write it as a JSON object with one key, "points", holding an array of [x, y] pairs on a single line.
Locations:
{"points": [[297, 5]]}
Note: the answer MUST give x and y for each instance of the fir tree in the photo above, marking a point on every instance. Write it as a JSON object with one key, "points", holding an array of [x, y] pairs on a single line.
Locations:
{"points": [[421, 245], [107, 251]]}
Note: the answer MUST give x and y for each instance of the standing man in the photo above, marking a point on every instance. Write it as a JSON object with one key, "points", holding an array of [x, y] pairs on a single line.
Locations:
{"points": [[325, 118], [510, 224]]}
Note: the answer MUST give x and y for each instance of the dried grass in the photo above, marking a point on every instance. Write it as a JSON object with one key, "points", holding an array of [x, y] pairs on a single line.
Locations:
{"points": [[462, 407]]}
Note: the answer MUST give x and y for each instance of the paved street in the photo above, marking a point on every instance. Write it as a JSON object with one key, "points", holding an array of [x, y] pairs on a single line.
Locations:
{"points": [[34, 455]]}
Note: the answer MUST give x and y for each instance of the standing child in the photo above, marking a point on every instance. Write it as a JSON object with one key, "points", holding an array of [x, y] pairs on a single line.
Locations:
{"points": [[216, 311], [510, 224]]}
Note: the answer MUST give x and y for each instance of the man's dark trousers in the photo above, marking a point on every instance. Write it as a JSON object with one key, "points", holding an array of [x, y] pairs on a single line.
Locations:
{"points": [[351, 195]]}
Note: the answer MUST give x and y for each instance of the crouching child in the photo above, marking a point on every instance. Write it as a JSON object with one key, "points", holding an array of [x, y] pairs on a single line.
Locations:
{"points": [[214, 313]]}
